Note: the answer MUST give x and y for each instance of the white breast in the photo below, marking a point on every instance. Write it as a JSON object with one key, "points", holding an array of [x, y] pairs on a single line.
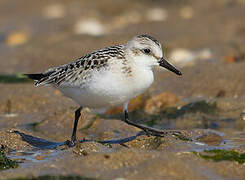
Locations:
{"points": [[110, 88]]}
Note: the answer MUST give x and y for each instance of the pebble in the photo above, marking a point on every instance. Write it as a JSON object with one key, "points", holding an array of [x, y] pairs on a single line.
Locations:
{"points": [[229, 59], [16, 38], [90, 26], [156, 103], [184, 57], [157, 14]]}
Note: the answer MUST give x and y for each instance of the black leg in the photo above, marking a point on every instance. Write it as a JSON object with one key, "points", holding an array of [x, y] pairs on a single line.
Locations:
{"points": [[149, 130], [73, 137]]}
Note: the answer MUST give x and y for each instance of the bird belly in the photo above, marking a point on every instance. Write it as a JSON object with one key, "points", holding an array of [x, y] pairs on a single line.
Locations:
{"points": [[109, 89]]}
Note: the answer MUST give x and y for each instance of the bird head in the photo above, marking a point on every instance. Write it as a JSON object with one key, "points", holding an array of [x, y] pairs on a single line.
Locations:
{"points": [[146, 51]]}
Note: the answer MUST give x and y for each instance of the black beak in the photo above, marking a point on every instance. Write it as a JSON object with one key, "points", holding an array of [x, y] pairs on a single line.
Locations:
{"points": [[168, 66]]}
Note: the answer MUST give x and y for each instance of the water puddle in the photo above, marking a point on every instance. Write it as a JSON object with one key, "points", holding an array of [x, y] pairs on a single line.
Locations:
{"points": [[45, 150]]}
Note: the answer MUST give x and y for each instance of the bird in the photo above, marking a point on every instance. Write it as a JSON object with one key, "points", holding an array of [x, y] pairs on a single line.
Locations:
{"points": [[108, 77]]}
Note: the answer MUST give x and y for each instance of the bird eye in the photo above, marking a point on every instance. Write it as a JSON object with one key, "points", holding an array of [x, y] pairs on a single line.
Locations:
{"points": [[147, 51]]}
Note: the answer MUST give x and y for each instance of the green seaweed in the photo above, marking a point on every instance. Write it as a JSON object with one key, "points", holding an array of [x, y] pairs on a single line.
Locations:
{"points": [[149, 120], [168, 113], [199, 106], [222, 155], [174, 112], [49, 177], [6, 163], [14, 78]]}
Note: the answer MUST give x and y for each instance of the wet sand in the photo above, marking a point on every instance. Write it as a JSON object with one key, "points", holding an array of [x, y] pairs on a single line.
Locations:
{"points": [[207, 103]]}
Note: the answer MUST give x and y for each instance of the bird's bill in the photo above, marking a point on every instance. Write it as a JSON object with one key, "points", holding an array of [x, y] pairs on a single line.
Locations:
{"points": [[168, 66]]}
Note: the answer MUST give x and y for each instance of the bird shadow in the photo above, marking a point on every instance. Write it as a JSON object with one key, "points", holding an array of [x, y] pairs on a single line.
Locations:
{"points": [[40, 143]]}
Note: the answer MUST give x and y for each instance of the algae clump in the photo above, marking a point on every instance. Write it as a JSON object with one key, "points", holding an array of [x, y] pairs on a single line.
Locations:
{"points": [[15, 78], [6, 163], [199, 106], [222, 155]]}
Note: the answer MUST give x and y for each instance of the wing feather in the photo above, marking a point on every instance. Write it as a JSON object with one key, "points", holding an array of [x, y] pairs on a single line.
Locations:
{"points": [[79, 69]]}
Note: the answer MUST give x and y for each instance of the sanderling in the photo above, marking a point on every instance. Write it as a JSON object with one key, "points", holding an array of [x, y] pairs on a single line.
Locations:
{"points": [[108, 77]]}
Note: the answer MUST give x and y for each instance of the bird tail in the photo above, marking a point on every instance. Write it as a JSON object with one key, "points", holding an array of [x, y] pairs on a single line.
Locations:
{"points": [[41, 78], [35, 77], [38, 78]]}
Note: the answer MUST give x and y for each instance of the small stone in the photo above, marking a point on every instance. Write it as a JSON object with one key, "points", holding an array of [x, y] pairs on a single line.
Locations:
{"points": [[229, 59], [182, 57], [16, 38], [157, 14], [156, 103], [90, 26]]}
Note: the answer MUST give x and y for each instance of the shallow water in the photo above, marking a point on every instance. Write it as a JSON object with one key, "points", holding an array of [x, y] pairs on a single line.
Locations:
{"points": [[206, 104]]}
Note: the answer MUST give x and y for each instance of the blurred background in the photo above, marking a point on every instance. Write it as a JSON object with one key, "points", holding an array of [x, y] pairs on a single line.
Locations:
{"points": [[204, 39], [37, 34]]}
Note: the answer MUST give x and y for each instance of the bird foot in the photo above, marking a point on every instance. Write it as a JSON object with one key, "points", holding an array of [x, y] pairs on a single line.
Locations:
{"points": [[70, 143]]}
